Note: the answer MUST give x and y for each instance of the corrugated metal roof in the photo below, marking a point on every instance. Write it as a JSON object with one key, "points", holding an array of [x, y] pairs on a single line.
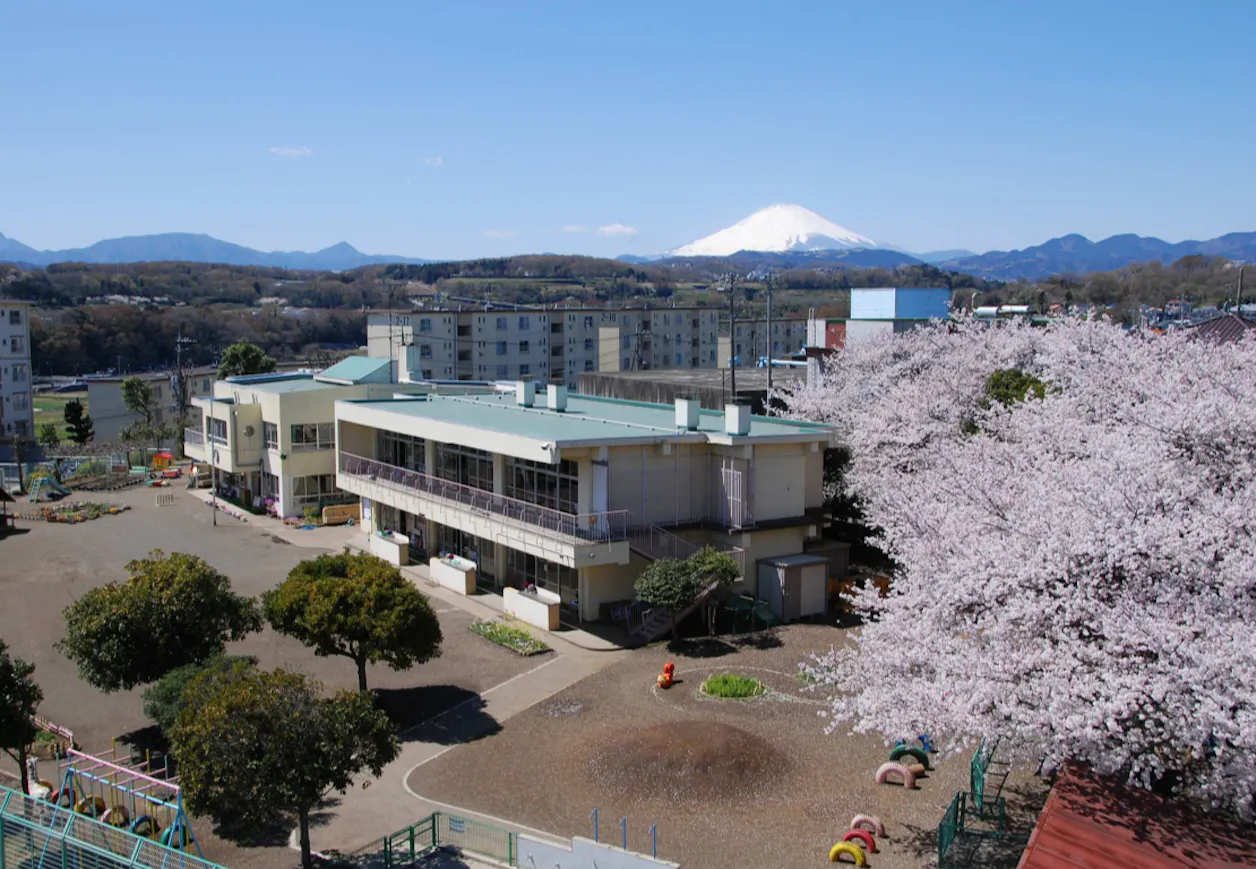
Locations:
{"points": [[1094, 822], [1227, 329]]}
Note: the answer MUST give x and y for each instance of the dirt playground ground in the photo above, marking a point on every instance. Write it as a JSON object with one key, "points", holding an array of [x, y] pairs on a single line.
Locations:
{"points": [[752, 783], [45, 567]]}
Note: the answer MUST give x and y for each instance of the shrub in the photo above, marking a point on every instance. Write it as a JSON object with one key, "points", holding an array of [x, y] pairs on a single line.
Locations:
{"points": [[515, 639], [730, 686]]}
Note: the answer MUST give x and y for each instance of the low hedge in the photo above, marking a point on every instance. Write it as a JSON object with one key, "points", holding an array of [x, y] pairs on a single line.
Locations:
{"points": [[516, 639], [730, 686]]}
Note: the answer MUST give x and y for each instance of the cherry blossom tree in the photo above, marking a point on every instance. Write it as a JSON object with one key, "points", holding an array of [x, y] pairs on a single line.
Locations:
{"points": [[1077, 568]]}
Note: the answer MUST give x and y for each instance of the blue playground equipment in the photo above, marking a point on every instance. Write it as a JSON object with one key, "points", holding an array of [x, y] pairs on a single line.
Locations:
{"points": [[148, 805], [43, 484]]}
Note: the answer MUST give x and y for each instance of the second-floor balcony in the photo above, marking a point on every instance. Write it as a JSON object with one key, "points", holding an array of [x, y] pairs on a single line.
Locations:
{"points": [[193, 437], [605, 527]]}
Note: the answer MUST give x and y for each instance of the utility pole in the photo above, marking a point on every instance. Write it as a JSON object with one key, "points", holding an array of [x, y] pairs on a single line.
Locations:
{"points": [[1240, 301], [770, 281], [732, 335], [181, 376]]}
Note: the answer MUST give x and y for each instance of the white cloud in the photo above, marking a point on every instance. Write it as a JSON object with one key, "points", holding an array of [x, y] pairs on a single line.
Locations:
{"points": [[616, 230], [286, 151], [499, 233], [434, 161], [575, 227]]}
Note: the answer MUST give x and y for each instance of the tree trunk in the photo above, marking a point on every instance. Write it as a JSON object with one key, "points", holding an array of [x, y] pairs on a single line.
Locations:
{"points": [[307, 859], [675, 627], [21, 762], [361, 673]]}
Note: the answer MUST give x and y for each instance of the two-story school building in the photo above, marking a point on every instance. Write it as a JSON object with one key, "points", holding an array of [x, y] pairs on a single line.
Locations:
{"points": [[575, 494]]}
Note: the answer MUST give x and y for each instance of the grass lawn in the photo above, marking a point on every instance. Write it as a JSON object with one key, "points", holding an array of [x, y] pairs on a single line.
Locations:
{"points": [[51, 408]]}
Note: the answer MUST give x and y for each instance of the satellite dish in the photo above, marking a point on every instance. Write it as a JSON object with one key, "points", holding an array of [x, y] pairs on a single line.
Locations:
{"points": [[248, 431]]}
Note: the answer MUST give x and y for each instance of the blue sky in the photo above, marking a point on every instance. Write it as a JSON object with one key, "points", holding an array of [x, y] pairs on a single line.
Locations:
{"points": [[476, 128]]}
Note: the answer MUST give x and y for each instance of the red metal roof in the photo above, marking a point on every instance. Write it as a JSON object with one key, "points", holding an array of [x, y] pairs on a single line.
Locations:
{"points": [[1091, 822]]}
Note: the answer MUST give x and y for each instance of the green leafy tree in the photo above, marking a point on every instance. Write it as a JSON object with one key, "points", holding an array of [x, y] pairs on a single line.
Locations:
{"points": [[19, 698], [266, 743], [710, 566], [167, 697], [244, 357], [78, 422], [667, 583], [49, 438], [357, 606], [173, 610], [139, 397], [1009, 386]]}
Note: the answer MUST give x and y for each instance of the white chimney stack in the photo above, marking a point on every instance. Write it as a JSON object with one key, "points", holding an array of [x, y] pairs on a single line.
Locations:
{"points": [[687, 412], [556, 397], [525, 393], [737, 419]]}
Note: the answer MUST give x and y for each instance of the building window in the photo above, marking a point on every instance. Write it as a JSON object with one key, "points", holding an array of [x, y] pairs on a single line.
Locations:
{"points": [[15, 318], [204, 384], [502, 372], [217, 430], [426, 373], [465, 465], [19, 428], [270, 432], [588, 365], [401, 450], [525, 369], [588, 322], [677, 358], [313, 436], [315, 489], [19, 401], [625, 366], [523, 569], [425, 324], [19, 374], [588, 344], [525, 323], [501, 348], [501, 324], [15, 344], [425, 351], [553, 486], [270, 485], [627, 341], [523, 347]]}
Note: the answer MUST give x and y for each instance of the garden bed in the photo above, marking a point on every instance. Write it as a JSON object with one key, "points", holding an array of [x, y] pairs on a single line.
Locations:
{"points": [[731, 686], [73, 512], [517, 640]]}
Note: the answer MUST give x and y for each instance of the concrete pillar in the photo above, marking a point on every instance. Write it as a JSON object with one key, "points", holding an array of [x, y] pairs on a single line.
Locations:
{"points": [[601, 481], [499, 473], [429, 457], [285, 496], [499, 555]]}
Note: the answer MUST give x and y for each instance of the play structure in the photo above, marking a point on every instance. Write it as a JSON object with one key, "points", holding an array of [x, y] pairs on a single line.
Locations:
{"points": [[667, 676], [44, 485], [908, 762], [859, 841], [141, 798]]}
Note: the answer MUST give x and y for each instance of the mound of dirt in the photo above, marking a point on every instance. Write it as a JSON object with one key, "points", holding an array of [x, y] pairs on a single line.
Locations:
{"points": [[700, 761]]}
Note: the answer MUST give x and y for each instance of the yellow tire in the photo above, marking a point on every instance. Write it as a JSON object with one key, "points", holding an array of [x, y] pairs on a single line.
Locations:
{"points": [[850, 849]]}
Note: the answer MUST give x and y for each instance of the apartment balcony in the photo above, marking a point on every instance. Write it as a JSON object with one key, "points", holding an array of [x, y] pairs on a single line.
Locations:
{"points": [[585, 540], [194, 444]]}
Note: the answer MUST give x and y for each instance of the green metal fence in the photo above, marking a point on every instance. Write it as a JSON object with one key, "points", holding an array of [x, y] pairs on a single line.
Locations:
{"points": [[977, 773], [948, 828], [404, 847], [36, 834]]}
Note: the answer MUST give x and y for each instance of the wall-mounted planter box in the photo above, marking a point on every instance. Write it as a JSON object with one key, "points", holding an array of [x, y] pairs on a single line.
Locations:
{"points": [[395, 548], [538, 608], [454, 573]]}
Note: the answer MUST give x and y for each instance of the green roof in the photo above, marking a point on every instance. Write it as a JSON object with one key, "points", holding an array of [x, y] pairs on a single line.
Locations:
{"points": [[287, 386], [357, 369], [586, 418]]}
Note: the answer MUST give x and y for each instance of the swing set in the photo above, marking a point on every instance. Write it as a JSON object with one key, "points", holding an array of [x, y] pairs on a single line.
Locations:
{"points": [[139, 798]]}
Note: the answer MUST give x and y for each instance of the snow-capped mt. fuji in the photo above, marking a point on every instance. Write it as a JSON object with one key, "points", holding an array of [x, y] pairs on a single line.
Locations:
{"points": [[777, 228]]}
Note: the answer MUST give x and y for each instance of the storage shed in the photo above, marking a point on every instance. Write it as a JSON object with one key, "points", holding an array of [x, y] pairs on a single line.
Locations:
{"points": [[795, 586]]}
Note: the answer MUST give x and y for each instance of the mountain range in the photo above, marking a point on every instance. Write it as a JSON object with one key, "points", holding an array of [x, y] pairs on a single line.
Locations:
{"points": [[193, 247]]}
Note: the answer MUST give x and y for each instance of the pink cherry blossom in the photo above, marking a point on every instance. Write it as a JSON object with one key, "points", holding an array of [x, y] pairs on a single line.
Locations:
{"points": [[1078, 576]]}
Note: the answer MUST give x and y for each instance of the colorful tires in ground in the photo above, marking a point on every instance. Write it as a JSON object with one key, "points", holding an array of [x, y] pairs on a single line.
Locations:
{"points": [[869, 843], [116, 816], [871, 823], [63, 798], [93, 806], [175, 837], [916, 754], [848, 849], [144, 825], [897, 770]]}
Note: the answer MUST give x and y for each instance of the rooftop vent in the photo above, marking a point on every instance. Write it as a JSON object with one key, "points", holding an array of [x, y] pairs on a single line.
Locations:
{"points": [[525, 393], [687, 411], [556, 397], [737, 419]]}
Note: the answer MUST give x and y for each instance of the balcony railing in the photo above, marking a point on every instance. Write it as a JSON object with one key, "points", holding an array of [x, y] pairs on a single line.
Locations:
{"points": [[604, 527], [193, 437]]}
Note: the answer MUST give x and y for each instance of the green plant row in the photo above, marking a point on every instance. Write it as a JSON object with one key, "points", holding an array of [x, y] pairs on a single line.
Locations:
{"points": [[730, 686], [515, 639]]}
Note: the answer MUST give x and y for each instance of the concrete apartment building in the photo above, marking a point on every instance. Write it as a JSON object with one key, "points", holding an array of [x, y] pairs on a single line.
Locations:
{"points": [[879, 311], [273, 435], [109, 412], [17, 408], [577, 495], [554, 345], [747, 340]]}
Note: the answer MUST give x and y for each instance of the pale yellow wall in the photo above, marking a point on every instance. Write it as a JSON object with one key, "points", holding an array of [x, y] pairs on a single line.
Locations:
{"points": [[780, 481], [814, 476], [608, 582]]}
